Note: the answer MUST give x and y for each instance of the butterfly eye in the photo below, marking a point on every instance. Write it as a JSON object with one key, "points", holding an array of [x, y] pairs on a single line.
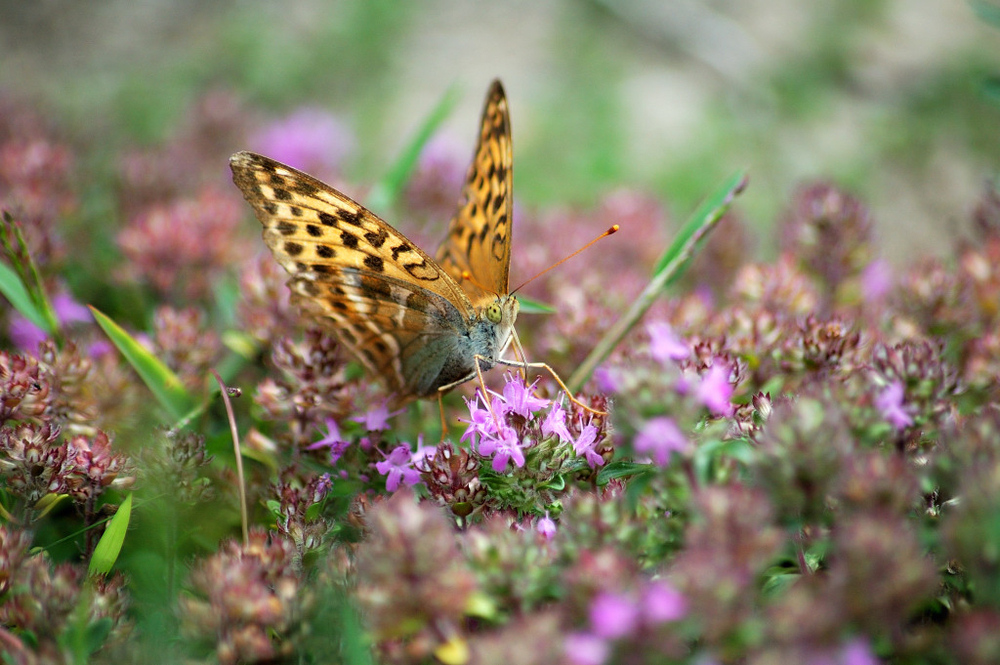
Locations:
{"points": [[493, 313]]}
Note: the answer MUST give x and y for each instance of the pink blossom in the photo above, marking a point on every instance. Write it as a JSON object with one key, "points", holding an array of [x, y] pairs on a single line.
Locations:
{"points": [[608, 379], [664, 344], [504, 448], [714, 391], [585, 649], [307, 139], [555, 423], [333, 440], [26, 335], [520, 399], [585, 444], [376, 419], [876, 280], [659, 438], [661, 602], [398, 468], [481, 421], [546, 527], [890, 403], [613, 615]]}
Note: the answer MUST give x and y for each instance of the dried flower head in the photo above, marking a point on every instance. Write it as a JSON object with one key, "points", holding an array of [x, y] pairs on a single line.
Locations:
{"points": [[249, 601], [411, 576]]}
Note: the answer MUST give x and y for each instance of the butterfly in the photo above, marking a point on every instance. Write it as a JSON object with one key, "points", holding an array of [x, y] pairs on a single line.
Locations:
{"points": [[423, 324]]}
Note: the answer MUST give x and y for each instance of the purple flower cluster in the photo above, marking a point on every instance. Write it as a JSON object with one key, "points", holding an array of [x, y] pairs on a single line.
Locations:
{"points": [[502, 426], [621, 616]]}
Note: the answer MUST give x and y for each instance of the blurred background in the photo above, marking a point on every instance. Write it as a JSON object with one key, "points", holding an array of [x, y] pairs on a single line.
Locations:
{"points": [[890, 99]]}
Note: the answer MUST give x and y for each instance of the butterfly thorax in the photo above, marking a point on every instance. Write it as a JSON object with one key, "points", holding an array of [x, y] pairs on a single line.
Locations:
{"points": [[489, 333]]}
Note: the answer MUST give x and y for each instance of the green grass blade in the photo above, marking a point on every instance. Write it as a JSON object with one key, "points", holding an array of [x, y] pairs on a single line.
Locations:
{"points": [[110, 545], [529, 306], [166, 387], [386, 192], [13, 289], [668, 268], [987, 12], [699, 223]]}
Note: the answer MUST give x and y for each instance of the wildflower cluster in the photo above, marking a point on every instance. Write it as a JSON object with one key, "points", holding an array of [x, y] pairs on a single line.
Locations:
{"points": [[786, 461], [521, 447]]}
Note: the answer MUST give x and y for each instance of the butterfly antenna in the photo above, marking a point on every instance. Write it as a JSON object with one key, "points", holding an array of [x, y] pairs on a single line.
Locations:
{"points": [[610, 231], [468, 275]]}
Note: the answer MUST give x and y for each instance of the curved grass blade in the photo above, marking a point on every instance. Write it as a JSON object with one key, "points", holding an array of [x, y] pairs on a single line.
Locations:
{"points": [[110, 545], [386, 192], [13, 289], [670, 266], [21, 282], [164, 384]]}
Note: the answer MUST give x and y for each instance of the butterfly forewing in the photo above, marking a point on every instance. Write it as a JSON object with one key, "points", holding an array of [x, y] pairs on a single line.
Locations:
{"points": [[479, 234], [312, 228]]}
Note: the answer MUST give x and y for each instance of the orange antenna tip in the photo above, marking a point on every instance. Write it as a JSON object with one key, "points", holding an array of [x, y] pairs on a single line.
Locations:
{"points": [[610, 231]]}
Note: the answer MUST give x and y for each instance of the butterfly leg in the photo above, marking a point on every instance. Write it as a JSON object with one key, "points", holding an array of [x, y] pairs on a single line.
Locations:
{"points": [[555, 376], [444, 423], [482, 388], [521, 355]]}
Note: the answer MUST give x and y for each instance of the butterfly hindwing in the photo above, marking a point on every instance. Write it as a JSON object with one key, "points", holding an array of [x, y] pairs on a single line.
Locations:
{"points": [[407, 334], [478, 238]]}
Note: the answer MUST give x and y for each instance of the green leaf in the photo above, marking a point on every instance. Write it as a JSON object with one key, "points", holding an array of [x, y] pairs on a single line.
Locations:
{"points": [[620, 469], [991, 89], [15, 247], [13, 289], [708, 453], [164, 384], [528, 306], [670, 266], [695, 230], [110, 545], [987, 12], [45, 505], [97, 633], [386, 192]]}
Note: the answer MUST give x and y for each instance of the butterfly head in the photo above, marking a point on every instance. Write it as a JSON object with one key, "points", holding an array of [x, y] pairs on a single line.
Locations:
{"points": [[504, 307]]}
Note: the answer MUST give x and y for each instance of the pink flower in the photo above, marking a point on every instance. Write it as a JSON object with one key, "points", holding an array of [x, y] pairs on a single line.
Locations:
{"points": [[481, 422], [857, 652], [714, 391], [659, 438], [555, 423], [520, 399], [664, 344], [504, 448], [585, 443], [890, 403], [308, 139], [376, 419], [661, 602], [876, 280], [585, 649], [26, 335], [398, 468], [546, 527], [608, 379], [333, 440], [613, 615]]}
